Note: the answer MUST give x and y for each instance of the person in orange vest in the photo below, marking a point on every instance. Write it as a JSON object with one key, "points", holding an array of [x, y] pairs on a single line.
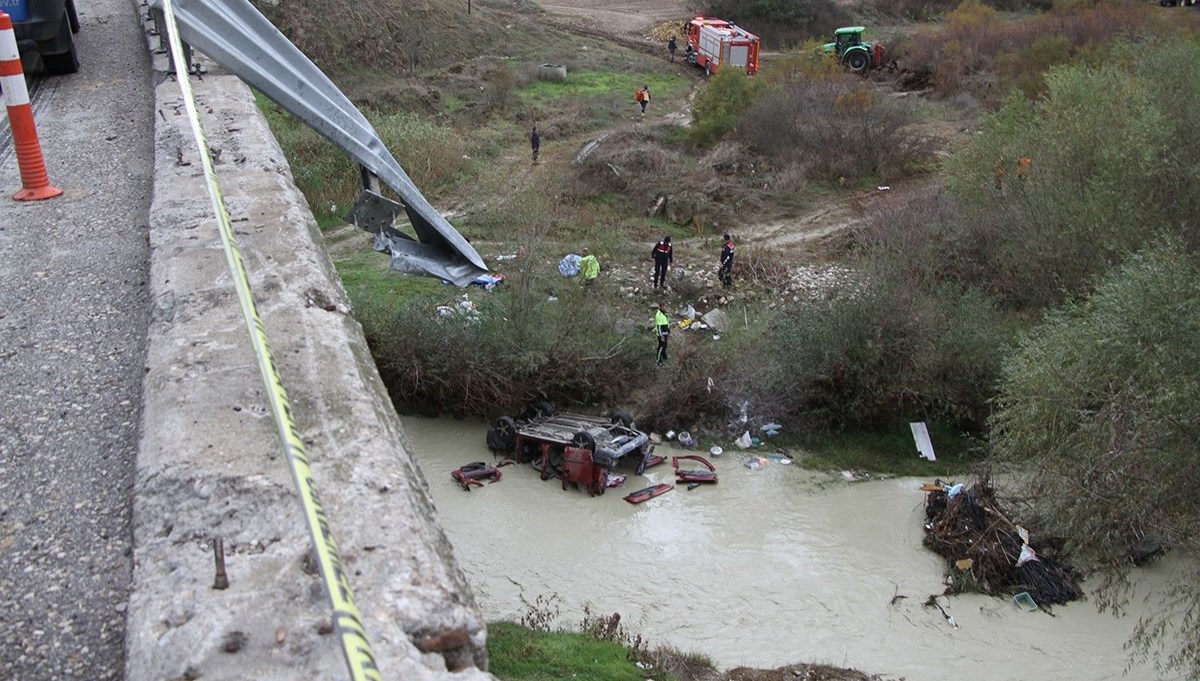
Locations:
{"points": [[643, 97], [1024, 165], [663, 255]]}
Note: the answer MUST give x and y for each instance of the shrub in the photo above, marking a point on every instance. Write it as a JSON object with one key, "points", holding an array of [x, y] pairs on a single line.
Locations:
{"points": [[1107, 172], [980, 51], [1101, 402], [886, 350], [718, 105], [836, 129], [515, 348]]}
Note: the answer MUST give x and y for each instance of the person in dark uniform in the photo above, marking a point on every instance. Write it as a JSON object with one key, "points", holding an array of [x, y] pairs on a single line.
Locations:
{"points": [[663, 256], [671, 47], [535, 143], [725, 272], [662, 330]]}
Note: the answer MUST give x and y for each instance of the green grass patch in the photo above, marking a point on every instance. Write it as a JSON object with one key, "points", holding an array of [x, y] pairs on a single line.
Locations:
{"points": [[517, 653], [368, 277], [892, 451], [602, 85]]}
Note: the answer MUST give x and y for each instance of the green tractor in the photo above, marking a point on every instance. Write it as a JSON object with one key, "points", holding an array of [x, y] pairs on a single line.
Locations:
{"points": [[853, 52]]}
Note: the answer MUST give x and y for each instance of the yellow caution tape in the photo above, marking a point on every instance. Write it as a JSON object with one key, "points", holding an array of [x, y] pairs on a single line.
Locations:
{"points": [[346, 618]]}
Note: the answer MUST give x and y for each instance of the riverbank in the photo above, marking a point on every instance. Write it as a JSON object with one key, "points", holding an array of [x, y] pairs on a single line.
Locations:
{"points": [[767, 568]]}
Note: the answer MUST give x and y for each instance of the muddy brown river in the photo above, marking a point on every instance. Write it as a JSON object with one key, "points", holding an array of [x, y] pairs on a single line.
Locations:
{"points": [[766, 568]]}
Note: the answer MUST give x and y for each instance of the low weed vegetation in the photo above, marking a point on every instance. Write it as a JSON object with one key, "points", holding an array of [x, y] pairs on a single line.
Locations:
{"points": [[977, 49]]}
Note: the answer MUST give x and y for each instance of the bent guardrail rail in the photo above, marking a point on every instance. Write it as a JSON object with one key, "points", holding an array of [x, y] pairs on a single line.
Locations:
{"points": [[234, 34]]}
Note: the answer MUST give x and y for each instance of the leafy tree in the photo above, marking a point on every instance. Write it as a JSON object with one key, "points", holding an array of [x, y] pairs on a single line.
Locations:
{"points": [[718, 106], [1114, 153], [1100, 406]]}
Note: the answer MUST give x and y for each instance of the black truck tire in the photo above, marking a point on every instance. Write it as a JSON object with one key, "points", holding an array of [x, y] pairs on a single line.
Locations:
{"points": [[67, 62]]}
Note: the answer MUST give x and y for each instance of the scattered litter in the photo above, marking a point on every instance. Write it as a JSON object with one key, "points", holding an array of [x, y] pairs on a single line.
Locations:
{"points": [[848, 476], [716, 451], [670, 435], [461, 306], [551, 299], [954, 490], [692, 485], [487, 281], [771, 429], [653, 459], [884, 188], [1025, 602], [1027, 554], [694, 474], [506, 256], [472, 473], [931, 602], [648, 493], [569, 265], [655, 438], [964, 563], [974, 526], [716, 337], [920, 435], [744, 442], [755, 463], [685, 439], [614, 480], [716, 319], [688, 313]]}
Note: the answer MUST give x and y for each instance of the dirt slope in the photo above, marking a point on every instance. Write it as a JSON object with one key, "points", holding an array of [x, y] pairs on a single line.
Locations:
{"points": [[631, 17]]}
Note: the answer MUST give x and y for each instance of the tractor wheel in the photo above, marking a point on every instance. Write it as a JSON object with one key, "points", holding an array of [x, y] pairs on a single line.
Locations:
{"points": [[857, 61], [502, 437], [623, 417]]}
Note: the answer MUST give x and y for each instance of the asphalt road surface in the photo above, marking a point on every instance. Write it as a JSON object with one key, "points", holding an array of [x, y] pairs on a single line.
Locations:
{"points": [[73, 320]]}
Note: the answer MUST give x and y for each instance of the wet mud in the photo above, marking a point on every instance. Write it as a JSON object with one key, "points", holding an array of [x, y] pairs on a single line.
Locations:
{"points": [[766, 568]]}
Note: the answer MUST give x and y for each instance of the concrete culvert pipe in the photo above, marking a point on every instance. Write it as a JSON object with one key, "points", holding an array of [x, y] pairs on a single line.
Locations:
{"points": [[551, 72]]}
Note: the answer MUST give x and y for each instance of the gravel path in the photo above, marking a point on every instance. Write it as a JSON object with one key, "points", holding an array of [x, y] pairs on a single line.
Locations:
{"points": [[73, 320]]}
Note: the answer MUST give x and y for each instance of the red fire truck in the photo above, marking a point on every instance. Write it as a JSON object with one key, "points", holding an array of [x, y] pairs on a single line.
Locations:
{"points": [[716, 43]]}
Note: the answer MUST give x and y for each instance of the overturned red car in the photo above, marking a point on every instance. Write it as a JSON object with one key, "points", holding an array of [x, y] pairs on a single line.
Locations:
{"points": [[578, 448]]}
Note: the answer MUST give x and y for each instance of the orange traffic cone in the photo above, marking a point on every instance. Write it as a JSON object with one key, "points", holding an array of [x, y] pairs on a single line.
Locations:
{"points": [[34, 180]]}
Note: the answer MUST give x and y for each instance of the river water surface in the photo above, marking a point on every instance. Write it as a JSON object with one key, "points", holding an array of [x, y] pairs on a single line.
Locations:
{"points": [[766, 568]]}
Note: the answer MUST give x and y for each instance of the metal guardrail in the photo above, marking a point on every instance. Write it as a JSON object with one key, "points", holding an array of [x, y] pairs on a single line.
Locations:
{"points": [[234, 34]]}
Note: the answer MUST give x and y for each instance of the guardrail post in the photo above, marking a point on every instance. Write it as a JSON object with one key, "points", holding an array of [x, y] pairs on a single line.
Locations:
{"points": [[35, 183]]}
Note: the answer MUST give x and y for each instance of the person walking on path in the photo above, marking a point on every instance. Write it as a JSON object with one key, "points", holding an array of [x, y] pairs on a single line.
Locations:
{"points": [[643, 97], [663, 256], [725, 272], [662, 330], [671, 47], [535, 143]]}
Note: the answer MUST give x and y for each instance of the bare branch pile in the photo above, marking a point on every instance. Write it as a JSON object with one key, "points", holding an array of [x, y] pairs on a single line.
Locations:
{"points": [[975, 536]]}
